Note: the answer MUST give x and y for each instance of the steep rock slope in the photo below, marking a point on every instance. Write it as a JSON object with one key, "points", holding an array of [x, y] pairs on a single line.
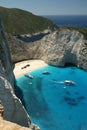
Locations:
{"points": [[65, 47], [21, 50], [59, 48], [13, 108]]}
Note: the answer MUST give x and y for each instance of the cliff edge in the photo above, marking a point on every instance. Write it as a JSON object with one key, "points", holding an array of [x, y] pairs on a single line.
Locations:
{"points": [[13, 108]]}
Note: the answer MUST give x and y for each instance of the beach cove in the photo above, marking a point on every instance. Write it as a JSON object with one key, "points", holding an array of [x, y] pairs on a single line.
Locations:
{"points": [[50, 103], [24, 67]]}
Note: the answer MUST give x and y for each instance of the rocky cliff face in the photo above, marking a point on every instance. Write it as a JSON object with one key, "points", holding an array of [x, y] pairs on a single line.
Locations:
{"points": [[65, 47], [13, 108], [59, 48]]}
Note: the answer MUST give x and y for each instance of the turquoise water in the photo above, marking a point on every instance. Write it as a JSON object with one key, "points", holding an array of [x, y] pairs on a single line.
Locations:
{"points": [[50, 103]]}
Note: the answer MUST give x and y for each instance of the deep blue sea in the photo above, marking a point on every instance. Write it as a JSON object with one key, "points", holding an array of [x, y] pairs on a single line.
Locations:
{"points": [[69, 20], [51, 103]]}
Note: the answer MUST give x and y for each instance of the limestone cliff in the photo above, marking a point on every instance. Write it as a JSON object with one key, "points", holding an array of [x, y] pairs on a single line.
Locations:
{"points": [[59, 48], [13, 108], [65, 47]]}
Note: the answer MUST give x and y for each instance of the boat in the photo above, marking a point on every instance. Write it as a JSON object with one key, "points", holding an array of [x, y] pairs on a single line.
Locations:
{"points": [[28, 76], [25, 66], [69, 82], [46, 72]]}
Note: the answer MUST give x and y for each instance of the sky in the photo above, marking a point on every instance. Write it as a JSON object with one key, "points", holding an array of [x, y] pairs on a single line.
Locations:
{"points": [[49, 7]]}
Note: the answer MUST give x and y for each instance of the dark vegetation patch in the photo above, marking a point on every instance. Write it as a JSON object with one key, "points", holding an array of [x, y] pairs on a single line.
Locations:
{"points": [[18, 21]]}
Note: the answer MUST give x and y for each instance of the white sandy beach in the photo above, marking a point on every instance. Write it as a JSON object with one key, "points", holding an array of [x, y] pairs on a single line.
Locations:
{"points": [[22, 68]]}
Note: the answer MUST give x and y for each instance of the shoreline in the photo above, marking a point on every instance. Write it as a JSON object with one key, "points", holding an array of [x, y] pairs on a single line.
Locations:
{"points": [[24, 67]]}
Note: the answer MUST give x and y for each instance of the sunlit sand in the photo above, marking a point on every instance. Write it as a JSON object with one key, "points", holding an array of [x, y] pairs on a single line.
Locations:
{"points": [[24, 67]]}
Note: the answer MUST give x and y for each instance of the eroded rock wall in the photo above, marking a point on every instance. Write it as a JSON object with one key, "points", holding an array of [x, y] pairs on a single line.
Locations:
{"points": [[65, 47], [59, 48], [13, 108]]}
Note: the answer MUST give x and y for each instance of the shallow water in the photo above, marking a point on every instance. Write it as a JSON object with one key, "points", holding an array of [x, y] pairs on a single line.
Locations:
{"points": [[52, 104]]}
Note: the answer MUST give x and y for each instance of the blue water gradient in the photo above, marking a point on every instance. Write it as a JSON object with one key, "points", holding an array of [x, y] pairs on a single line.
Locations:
{"points": [[50, 103]]}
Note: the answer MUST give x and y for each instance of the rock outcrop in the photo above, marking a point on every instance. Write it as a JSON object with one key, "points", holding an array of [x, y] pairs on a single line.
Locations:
{"points": [[59, 48], [65, 47], [22, 50], [13, 108], [6, 125]]}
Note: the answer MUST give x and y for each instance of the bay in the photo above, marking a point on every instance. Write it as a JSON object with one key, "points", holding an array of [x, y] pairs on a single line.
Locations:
{"points": [[52, 104]]}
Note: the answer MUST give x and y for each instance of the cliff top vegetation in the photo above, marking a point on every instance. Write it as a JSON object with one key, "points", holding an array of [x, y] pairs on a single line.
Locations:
{"points": [[18, 21]]}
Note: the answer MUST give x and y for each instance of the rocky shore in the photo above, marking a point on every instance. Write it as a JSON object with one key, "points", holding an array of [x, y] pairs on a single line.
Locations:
{"points": [[59, 48]]}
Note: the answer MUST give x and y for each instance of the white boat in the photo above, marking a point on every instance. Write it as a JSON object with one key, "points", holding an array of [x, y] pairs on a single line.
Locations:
{"points": [[28, 76], [69, 82]]}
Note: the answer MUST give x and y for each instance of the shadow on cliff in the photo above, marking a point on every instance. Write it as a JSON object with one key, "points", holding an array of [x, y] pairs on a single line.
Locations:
{"points": [[31, 38], [19, 93], [68, 64]]}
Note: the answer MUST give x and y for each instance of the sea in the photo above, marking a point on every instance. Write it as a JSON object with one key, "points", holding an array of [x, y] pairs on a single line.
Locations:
{"points": [[69, 20], [51, 103]]}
